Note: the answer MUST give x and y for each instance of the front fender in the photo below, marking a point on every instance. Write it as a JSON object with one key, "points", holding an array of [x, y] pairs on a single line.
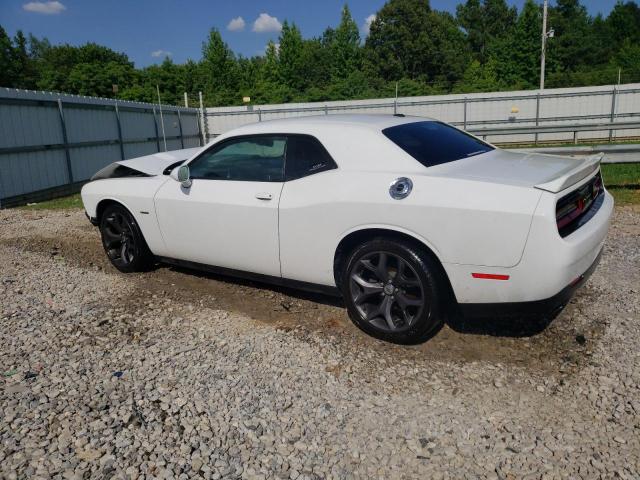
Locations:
{"points": [[136, 195]]}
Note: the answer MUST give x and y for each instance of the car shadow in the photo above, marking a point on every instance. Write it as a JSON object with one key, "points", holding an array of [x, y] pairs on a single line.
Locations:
{"points": [[513, 327], [322, 298], [510, 327]]}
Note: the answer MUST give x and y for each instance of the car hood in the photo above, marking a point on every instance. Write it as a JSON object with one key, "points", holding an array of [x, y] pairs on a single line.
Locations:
{"points": [[149, 165], [155, 164], [545, 172]]}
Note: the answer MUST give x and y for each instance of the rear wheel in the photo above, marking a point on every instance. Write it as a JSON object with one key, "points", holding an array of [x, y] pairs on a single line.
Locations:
{"points": [[123, 241], [393, 291]]}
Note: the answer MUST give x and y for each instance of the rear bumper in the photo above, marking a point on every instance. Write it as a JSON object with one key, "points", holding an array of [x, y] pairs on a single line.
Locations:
{"points": [[539, 308], [549, 263]]}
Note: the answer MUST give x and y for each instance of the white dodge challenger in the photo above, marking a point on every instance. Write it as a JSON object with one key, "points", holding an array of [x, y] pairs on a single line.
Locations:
{"points": [[405, 217]]}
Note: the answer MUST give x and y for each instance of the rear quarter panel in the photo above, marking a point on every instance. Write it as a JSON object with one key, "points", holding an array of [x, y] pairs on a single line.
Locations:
{"points": [[462, 221]]}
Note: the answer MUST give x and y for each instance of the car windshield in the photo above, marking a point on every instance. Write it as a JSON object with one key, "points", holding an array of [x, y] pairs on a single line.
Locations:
{"points": [[433, 143]]}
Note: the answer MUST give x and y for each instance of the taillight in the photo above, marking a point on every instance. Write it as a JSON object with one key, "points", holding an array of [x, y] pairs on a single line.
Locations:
{"points": [[574, 205]]}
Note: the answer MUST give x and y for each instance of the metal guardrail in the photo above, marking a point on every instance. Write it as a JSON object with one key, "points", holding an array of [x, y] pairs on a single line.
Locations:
{"points": [[625, 153], [256, 110], [582, 127], [574, 128]]}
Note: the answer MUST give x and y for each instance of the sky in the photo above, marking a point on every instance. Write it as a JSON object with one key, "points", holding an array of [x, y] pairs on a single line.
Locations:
{"points": [[149, 30]]}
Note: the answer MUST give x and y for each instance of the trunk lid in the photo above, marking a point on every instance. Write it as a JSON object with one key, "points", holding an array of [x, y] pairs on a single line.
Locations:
{"points": [[545, 172]]}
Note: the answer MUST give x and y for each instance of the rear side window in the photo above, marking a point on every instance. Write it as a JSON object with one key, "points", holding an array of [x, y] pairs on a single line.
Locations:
{"points": [[434, 143], [306, 156]]}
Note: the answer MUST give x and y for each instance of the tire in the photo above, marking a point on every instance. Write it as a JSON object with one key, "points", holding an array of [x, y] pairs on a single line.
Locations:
{"points": [[394, 291], [123, 241]]}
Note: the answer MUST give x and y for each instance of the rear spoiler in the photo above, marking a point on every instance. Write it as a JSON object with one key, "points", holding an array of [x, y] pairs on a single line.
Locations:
{"points": [[586, 167]]}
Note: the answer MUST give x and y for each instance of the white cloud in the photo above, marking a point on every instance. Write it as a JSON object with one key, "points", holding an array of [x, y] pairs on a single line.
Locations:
{"points": [[46, 8], [160, 53], [266, 23], [366, 26], [236, 24]]}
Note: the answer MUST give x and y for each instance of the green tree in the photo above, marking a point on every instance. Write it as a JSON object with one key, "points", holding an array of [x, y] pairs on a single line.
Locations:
{"points": [[484, 22], [6, 60], [90, 69], [398, 43], [344, 46], [481, 78], [574, 43], [518, 56], [624, 23], [268, 87], [320, 67], [270, 69], [23, 68], [290, 57], [408, 39], [97, 79], [628, 60], [218, 70]]}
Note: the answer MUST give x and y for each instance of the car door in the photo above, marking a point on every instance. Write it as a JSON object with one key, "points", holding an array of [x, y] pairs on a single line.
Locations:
{"points": [[309, 212], [228, 217]]}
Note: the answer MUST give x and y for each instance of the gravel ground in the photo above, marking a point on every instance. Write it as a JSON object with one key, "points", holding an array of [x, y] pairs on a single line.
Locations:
{"points": [[172, 374]]}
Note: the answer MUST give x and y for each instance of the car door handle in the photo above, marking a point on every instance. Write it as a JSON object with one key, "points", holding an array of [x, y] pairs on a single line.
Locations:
{"points": [[264, 196]]}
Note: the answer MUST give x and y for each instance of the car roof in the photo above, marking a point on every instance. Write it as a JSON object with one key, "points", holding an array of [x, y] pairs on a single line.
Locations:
{"points": [[371, 121]]}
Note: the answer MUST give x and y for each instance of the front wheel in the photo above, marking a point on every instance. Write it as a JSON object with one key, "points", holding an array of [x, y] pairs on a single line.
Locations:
{"points": [[123, 241], [394, 291]]}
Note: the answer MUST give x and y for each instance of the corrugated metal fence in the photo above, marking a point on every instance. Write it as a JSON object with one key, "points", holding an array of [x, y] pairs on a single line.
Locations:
{"points": [[51, 143], [473, 112]]}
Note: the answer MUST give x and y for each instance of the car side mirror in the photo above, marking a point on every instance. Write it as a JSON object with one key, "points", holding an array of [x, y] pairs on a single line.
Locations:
{"points": [[181, 174]]}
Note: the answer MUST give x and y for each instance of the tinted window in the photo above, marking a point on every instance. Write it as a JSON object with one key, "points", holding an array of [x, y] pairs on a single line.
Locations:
{"points": [[306, 156], [433, 143], [255, 159]]}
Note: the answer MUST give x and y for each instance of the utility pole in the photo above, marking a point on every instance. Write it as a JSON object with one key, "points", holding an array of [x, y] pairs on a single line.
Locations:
{"points": [[544, 43], [164, 138]]}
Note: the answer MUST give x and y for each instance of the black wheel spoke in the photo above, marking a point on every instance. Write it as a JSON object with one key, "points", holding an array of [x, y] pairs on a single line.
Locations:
{"points": [[368, 289], [401, 269], [383, 273], [371, 267], [385, 308], [404, 301], [404, 281], [372, 313], [110, 238]]}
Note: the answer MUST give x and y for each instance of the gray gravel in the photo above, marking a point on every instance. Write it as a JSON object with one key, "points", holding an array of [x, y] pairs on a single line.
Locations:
{"points": [[173, 375]]}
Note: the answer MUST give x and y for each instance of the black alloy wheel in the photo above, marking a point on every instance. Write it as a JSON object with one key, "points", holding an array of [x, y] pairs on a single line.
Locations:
{"points": [[393, 291], [122, 240]]}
